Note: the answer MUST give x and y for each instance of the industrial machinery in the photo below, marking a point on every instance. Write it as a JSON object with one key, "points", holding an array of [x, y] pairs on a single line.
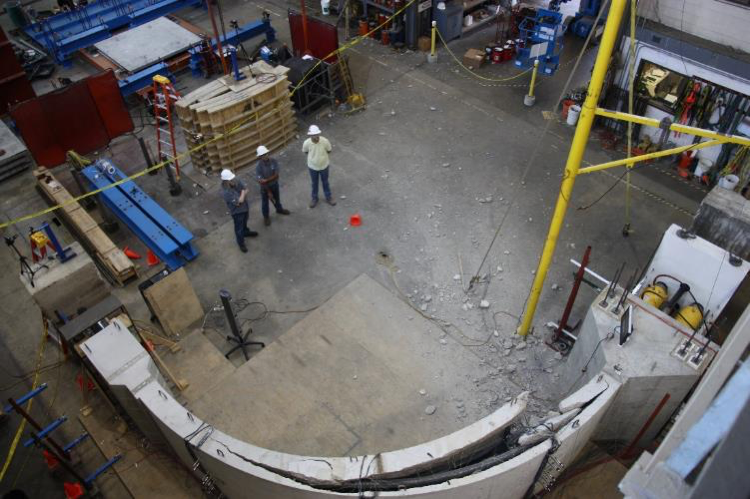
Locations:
{"points": [[542, 35], [653, 332], [542, 40], [583, 22]]}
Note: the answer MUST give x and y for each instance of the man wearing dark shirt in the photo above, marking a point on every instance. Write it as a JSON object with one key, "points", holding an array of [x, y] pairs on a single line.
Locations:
{"points": [[234, 193], [267, 175]]}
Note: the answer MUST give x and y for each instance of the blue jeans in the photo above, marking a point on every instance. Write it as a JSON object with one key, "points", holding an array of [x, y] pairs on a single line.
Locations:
{"points": [[274, 188], [323, 175], [240, 226]]}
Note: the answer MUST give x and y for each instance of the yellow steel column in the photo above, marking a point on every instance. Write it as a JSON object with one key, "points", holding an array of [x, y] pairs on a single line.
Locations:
{"points": [[575, 156], [533, 78], [434, 32]]}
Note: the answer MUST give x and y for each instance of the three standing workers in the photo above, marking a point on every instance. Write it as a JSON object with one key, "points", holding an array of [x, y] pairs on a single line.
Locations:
{"points": [[235, 192]]}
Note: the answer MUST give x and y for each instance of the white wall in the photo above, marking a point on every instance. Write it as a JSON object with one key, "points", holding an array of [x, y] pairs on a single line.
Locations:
{"points": [[713, 20]]}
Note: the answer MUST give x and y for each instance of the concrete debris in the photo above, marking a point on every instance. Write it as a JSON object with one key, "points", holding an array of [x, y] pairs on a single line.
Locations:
{"points": [[499, 268], [430, 410], [342, 197], [354, 377], [484, 304], [433, 108], [506, 252], [510, 368], [555, 287], [521, 345], [423, 307], [521, 358], [558, 356], [446, 165], [206, 212], [428, 298], [457, 277], [423, 392], [495, 334], [506, 352], [443, 341]]}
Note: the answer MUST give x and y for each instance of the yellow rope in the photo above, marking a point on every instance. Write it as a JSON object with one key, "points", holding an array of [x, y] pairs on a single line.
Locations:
{"points": [[181, 156], [17, 438], [472, 72], [631, 83]]}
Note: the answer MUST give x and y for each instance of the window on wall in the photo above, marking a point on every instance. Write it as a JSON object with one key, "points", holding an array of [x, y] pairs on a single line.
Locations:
{"points": [[661, 86]]}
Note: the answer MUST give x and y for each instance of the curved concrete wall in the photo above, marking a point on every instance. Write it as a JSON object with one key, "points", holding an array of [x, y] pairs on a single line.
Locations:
{"points": [[241, 469]]}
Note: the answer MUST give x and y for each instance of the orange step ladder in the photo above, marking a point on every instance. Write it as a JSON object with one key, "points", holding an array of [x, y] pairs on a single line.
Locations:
{"points": [[165, 95]]}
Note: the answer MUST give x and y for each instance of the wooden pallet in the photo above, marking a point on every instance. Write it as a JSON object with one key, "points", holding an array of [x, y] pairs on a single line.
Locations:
{"points": [[113, 260], [240, 116]]}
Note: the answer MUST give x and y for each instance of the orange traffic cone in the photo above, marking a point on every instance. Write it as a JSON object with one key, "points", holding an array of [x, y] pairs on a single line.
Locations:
{"points": [[355, 220], [50, 459], [131, 254], [73, 490], [151, 258]]}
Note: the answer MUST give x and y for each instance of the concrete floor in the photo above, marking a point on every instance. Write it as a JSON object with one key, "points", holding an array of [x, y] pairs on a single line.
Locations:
{"points": [[415, 165]]}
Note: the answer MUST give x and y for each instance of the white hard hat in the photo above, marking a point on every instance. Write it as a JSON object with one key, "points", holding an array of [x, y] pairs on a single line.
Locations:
{"points": [[227, 174], [313, 130], [262, 150]]}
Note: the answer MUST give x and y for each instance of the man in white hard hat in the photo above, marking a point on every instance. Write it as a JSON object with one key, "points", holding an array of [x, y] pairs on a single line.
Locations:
{"points": [[267, 175], [317, 148], [234, 193]]}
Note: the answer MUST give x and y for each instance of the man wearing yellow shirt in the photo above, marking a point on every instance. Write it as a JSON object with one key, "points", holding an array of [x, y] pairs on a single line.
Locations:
{"points": [[317, 148]]}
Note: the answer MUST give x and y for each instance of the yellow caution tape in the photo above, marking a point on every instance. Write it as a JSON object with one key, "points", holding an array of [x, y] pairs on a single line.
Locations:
{"points": [[19, 432], [182, 155], [472, 72]]}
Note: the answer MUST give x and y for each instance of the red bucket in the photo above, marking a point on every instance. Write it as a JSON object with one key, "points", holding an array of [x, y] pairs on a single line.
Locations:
{"points": [[566, 105], [498, 55]]}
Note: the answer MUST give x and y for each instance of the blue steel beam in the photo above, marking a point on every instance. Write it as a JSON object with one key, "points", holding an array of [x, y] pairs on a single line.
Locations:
{"points": [[67, 32], [169, 240], [143, 78], [45, 431]]}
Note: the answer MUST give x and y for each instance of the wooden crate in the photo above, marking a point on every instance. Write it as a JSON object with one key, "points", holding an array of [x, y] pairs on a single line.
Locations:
{"points": [[239, 115]]}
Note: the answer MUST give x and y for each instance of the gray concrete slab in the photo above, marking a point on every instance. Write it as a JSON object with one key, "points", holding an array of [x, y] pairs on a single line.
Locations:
{"points": [[147, 44], [356, 376]]}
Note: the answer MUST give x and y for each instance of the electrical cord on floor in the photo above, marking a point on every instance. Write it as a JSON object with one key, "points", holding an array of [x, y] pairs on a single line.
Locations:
{"points": [[443, 324]]}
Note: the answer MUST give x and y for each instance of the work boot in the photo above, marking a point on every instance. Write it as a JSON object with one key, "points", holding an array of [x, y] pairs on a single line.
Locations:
{"points": [[283, 211], [243, 249], [267, 221], [313, 203], [250, 233], [331, 201]]}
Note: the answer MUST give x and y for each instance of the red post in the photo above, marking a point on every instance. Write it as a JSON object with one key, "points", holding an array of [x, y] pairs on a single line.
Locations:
{"points": [[218, 38], [304, 29], [573, 293]]}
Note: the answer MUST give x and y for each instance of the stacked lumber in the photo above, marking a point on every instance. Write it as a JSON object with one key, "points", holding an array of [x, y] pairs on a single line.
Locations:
{"points": [[85, 229], [256, 110], [14, 156]]}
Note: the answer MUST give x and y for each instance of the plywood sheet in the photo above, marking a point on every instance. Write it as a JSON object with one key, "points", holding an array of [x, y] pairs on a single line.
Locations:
{"points": [[174, 302]]}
